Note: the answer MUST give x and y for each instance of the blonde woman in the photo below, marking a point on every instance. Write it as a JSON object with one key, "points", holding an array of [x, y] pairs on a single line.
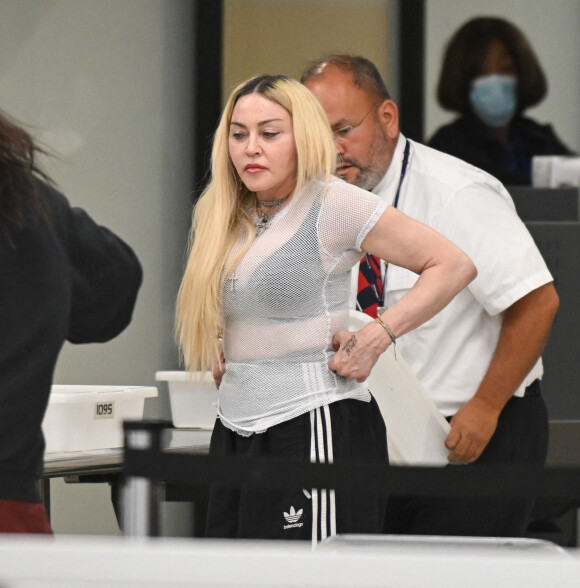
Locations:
{"points": [[274, 237]]}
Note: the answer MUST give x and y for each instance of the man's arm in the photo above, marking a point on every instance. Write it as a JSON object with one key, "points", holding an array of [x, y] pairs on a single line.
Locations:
{"points": [[523, 336]]}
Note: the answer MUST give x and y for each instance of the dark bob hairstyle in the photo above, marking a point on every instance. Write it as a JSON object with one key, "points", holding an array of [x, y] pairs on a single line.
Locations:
{"points": [[465, 52]]}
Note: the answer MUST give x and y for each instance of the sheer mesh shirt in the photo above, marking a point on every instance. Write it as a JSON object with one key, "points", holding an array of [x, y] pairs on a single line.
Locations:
{"points": [[284, 302]]}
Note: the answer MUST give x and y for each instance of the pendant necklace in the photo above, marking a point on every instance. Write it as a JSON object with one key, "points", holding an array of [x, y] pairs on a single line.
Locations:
{"points": [[262, 220]]}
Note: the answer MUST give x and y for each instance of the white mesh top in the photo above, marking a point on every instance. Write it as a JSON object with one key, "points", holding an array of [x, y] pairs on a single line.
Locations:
{"points": [[284, 302]]}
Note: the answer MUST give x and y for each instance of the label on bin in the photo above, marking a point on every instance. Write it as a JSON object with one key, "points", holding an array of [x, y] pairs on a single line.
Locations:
{"points": [[104, 410]]}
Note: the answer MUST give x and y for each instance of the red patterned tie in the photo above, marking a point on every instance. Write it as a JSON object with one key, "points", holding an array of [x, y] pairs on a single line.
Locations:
{"points": [[370, 285]]}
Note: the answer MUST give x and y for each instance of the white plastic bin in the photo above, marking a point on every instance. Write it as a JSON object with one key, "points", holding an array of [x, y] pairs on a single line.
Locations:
{"points": [[193, 399], [80, 418], [555, 171]]}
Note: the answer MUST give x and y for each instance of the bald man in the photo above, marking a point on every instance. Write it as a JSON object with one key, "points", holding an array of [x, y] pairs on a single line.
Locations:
{"points": [[479, 358]]}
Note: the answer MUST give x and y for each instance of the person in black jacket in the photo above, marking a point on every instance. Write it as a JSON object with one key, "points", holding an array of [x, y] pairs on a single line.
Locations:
{"points": [[62, 277], [491, 75]]}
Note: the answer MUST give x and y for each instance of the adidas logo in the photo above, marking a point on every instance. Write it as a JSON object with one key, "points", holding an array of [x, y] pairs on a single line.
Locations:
{"points": [[292, 518]]}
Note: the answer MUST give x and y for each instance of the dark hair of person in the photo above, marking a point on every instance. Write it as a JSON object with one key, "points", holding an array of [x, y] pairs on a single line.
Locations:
{"points": [[364, 73], [260, 85], [467, 49], [18, 196]]}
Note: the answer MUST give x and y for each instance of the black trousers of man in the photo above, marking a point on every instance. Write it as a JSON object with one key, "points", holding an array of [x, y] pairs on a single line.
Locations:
{"points": [[521, 438]]}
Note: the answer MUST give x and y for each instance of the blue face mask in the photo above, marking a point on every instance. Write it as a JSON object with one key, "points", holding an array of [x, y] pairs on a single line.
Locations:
{"points": [[494, 99]]}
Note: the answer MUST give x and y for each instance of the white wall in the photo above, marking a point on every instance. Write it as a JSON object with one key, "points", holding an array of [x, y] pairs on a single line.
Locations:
{"points": [[553, 30], [107, 83]]}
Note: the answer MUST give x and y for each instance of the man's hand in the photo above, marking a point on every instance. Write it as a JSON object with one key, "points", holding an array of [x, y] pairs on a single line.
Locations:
{"points": [[472, 427]]}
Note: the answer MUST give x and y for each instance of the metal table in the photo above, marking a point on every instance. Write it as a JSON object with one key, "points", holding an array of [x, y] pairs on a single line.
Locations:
{"points": [[106, 465]]}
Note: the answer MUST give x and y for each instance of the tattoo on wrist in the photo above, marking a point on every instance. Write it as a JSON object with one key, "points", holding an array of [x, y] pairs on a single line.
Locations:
{"points": [[349, 345]]}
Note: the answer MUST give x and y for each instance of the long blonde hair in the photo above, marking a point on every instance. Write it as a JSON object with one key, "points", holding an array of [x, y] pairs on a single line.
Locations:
{"points": [[224, 212]]}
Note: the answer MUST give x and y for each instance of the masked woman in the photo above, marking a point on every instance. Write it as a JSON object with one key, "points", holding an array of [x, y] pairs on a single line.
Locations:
{"points": [[491, 75], [274, 238]]}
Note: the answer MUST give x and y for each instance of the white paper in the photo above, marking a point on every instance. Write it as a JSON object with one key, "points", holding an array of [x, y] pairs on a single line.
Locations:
{"points": [[416, 429]]}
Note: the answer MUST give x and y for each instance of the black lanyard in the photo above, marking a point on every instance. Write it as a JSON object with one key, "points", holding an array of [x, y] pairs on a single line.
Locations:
{"points": [[403, 172], [381, 297]]}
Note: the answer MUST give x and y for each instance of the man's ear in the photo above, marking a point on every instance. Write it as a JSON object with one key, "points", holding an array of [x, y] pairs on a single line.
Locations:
{"points": [[389, 119]]}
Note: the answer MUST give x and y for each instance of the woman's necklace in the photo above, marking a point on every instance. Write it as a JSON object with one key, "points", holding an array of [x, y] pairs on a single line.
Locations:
{"points": [[262, 220], [272, 204]]}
